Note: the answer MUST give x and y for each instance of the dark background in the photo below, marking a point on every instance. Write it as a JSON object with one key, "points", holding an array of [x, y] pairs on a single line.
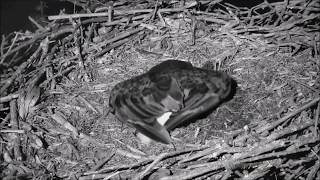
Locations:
{"points": [[14, 13]]}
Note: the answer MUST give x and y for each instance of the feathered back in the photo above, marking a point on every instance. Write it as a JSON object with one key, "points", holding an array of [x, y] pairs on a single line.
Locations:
{"points": [[171, 86]]}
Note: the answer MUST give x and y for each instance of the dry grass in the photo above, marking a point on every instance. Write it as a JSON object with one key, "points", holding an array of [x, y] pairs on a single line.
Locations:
{"points": [[55, 120]]}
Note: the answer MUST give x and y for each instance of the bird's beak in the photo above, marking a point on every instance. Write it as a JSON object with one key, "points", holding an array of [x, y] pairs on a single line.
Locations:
{"points": [[153, 130]]}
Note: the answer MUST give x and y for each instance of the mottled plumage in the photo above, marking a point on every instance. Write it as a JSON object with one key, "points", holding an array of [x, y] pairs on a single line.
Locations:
{"points": [[171, 86]]}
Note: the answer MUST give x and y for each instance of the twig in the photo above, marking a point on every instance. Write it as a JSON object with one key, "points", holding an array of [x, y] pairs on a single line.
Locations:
{"points": [[143, 162], [4, 120], [9, 50], [128, 154], [112, 23], [118, 43], [307, 86], [261, 170], [15, 124], [3, 42], [88, 104], [288, 116], [148, 169], [18, 131], [35, 23], [213, 166], [19, 70], [316, 121], [75, 16], [286, 131], [27, 43], [213, 152], [59, 118], [8, 98], [110, 12]]}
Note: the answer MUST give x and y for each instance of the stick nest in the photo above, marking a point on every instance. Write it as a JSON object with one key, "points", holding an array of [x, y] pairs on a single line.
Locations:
{"points": [[55, 85]]}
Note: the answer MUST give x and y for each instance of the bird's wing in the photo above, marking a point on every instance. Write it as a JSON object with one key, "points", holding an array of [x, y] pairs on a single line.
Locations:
{"points": [[170, 87], [205, 91], [142, 100]]}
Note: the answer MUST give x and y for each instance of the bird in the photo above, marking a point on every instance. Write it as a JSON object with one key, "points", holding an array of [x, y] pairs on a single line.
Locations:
{"points": [[170, 94]]}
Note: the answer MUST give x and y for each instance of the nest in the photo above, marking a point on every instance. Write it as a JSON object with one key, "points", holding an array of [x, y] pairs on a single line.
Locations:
{"points": [[55, 84]]}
